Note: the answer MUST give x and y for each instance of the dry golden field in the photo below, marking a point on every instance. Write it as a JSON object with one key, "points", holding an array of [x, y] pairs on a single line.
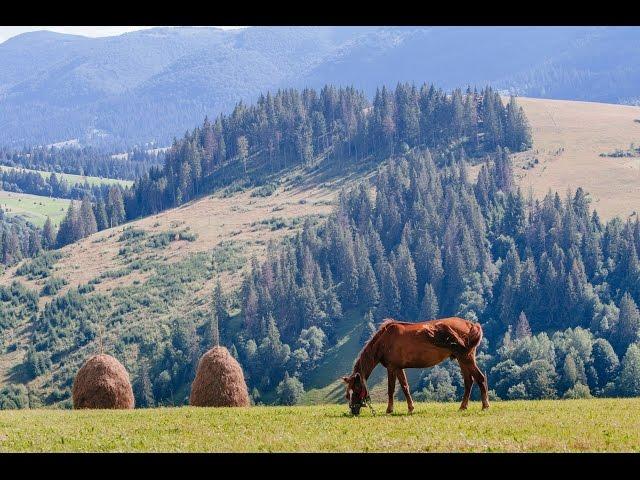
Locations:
{"points": [[568, 138]]}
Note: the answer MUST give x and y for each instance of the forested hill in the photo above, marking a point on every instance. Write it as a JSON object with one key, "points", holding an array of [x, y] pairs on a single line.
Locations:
{"points": [[145, 86], [333, 125], [554, 287], [333, 128]]}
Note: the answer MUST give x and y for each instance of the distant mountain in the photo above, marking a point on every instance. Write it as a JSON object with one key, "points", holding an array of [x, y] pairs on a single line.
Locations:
{"points": [[151, 85]]}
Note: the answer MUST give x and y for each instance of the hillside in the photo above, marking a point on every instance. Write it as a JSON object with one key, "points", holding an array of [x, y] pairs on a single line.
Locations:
{"points": [[568, 138], [143, 87], [152, 272], [218, 236]]}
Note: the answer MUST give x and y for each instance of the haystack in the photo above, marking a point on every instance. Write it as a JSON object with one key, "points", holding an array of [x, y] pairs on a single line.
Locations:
{"points": [[219, 381], [102, 382]]}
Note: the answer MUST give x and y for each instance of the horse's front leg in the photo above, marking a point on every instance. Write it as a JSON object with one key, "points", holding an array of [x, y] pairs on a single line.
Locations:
{"points": [[391, 388], [402, 377]]}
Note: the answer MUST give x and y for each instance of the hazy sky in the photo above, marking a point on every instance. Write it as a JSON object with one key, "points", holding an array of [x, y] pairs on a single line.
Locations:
{"points": [[8, 32]]}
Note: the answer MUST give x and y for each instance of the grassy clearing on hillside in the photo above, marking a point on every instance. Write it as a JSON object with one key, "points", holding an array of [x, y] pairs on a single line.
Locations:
{"points": [[603, 425], [34, 208], [72, 178], [568, 140]]}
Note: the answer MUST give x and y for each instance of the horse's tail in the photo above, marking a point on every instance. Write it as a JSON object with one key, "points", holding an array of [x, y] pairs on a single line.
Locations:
{"points": [[475, 336]]}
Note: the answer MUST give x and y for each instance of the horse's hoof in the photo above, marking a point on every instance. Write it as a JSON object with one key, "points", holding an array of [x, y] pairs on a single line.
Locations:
{"points": [[411, 411], [462, 408], [484, 407], [389, 410]]}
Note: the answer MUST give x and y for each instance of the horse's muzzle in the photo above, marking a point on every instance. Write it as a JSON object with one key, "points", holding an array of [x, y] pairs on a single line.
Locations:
{"points": [[355, 408]]}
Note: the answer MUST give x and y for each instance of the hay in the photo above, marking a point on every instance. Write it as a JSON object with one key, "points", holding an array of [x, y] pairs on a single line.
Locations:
{"points": [[102, 382], [219, 381]]}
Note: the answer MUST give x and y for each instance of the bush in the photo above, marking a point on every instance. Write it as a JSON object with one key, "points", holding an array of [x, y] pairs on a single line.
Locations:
{"points": [[13, 397], [579, 390], [40, 266], [290, 390], [131, 233], [161, 239], [53, 286], [188, 236], [265, 190]]}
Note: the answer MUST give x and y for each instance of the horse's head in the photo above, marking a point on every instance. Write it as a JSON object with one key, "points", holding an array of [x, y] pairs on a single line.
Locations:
{"points": [[357, 392]]}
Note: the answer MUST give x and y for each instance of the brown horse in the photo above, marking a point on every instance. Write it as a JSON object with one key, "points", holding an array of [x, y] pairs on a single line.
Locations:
{"points": [[399, 345]]}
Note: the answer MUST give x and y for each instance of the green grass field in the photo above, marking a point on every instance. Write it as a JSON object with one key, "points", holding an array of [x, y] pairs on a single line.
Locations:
{"points": [[72, 179], [34, 207], [598, 425]]}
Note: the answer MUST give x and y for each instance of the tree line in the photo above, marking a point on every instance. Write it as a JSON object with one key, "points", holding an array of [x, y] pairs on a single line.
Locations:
{"points": [[82, 161], [338, 125], [34, 183]]}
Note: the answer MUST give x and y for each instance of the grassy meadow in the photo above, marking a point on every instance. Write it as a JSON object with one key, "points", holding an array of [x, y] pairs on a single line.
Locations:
{"points": [[597, 425], [72, 178], [34, 208]]}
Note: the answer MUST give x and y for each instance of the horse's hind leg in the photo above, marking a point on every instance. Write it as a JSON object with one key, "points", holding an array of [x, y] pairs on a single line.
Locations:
{"points": [[468, 383], [481, 380], [391, 388], [402, 378]]}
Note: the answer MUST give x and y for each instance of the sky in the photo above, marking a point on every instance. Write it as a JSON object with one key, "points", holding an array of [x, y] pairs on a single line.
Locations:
{"points": [[8, 32]]}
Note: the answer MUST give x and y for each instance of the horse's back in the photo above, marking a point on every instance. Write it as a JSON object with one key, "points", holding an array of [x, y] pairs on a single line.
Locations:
{"points": [[454, 333]]}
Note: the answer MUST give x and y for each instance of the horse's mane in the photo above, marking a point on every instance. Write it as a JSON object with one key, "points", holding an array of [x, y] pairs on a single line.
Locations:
{"points": [[366, 354]]}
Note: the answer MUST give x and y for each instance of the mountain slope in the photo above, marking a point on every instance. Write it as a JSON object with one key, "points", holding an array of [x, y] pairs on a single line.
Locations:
{"points": [[149, 273]]}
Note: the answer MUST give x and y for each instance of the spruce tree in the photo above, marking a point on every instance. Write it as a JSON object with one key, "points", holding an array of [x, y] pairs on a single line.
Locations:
{"points": [[629, 381], [429, 307], [102, 221], [523, 329], [48, 235], [628, 326], [87, 219]]}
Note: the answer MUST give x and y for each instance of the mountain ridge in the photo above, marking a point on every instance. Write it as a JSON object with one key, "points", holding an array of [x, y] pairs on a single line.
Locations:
{"points": [[150, 85]]}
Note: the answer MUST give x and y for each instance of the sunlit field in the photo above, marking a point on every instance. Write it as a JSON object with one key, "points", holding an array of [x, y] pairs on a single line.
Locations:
{"points": [[598, 425]]}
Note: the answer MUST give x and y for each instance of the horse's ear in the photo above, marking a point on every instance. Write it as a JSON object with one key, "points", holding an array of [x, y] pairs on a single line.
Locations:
{"points": [[357, 378]]}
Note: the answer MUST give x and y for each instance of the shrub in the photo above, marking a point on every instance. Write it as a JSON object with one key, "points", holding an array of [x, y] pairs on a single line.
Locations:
{"points": [[53, 286], [290, 390]]}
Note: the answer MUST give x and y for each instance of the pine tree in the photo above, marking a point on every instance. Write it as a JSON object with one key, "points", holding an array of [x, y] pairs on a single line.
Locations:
{"points": [[243, 151], [214, 331], [569, 373], [88, 225], [429, 307], [629, 380], [69, 230], [628, 326], [102, 221], [35, 243], [605, 361], [406, 275], [48, 235], [220, 303], [523, 329], [369, 327], [115, 206], [144, 388]]}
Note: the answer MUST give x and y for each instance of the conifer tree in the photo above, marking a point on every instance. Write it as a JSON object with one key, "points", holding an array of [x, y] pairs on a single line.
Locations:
{"points": [[523, 329], [100, 212], [48, 235], [87, 218], [429, 307], [628, 326]]}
